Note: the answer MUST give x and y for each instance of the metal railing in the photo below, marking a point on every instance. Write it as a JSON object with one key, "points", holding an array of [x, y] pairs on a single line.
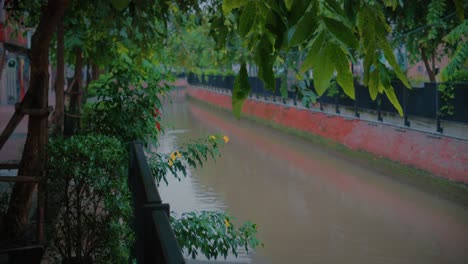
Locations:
{"points": [[155, 241], [425, 102]]}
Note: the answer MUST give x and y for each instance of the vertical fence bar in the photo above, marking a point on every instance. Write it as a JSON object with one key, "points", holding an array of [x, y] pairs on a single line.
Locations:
{"points": [[337, 103], [379, 110], [356, 98], [405, 106], [440, 129]]}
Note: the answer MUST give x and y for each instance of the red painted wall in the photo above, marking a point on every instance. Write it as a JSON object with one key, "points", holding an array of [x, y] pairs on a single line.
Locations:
{"points": [[446, 157]]}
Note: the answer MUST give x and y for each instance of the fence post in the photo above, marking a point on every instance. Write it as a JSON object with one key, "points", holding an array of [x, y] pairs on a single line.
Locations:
{"points": [[356, 97], [405, 105], [294, 97], [337, 107], [379, 112], [440, 129]]}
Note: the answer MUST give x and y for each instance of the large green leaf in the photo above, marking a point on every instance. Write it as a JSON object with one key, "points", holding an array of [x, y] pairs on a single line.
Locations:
{"points": [[229, 5], [305, 27], [265, 59], [388, 53], [241, 90], [324, 70], [120, 4], [335, 7], [344, 75], [366, 21], [374, 82], [314, 53], [275, 24], [298, 8], [393, 99], [341, 32], [459, 7], [288, 4], [247, 18]]}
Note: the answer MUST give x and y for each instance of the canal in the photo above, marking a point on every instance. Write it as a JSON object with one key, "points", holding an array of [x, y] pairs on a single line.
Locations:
{"points": [[312, 204]]}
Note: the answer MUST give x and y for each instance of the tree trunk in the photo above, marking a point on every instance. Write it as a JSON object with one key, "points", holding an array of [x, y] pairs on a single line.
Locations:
{"points": [[430, 71], [59, 83], [95, 71], [2, 59], [75, 104], [75, 98], [32, 162], [88, 81]]}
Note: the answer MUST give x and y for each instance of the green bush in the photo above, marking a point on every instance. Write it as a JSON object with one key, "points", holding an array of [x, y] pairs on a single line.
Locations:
{"points": [[213, 234], [87, 177], [128, 99]]}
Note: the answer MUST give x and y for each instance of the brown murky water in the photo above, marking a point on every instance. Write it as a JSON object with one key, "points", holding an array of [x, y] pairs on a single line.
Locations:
{"points": [[311, 205]]}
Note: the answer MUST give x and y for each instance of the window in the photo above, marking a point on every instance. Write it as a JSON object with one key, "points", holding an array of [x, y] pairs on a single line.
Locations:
{"points": [[420, 69]]}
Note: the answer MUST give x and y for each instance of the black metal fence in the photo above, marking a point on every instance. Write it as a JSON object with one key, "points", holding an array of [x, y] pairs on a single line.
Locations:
{"points": [[155, 241], [427, 102]]}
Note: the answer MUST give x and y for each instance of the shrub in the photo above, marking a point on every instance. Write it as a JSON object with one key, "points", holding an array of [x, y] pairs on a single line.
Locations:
{"points": [[87, 176], [127, 105]]}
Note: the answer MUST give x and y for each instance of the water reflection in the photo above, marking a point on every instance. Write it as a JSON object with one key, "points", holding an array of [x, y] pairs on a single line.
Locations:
{"points": [[312, 205]]}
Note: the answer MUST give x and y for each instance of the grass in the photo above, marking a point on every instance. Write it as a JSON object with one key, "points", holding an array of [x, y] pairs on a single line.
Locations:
{"points": [[421, 179]]}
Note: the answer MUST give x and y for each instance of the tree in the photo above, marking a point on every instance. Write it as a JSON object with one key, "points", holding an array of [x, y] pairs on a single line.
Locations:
{"points": [[135, 23], [422, 26], [333, 34], [36, 98]]}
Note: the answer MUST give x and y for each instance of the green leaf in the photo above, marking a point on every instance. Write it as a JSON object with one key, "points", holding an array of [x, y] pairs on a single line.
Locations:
{"points": [[247, 18], [341, 32], [288, 4], [324, 70], [284, 87], [265, 59], [388, 53], [459, 7], [314, 53], [335, 7], [374, 82], [344, 75], [393, 99], [229, 5], [305, 27], [241, 90], [275, 25], [297, 10], [368, 40], [120, 4]]}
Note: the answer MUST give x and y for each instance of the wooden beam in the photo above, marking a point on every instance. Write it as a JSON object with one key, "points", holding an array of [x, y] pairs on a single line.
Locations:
{"points": [[32, 111], [23, 179], [9, 166], [12, 124], [15, 119]]}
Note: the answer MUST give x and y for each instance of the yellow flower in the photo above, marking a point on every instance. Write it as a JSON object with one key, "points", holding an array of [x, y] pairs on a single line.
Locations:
{"points": [[172, 156], [226, 139], [177, 154], [226, 223], [171, 162], [212, 137]]}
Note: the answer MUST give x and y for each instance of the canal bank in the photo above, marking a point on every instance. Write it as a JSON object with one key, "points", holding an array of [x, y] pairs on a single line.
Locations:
{"points": [[438, 164]]}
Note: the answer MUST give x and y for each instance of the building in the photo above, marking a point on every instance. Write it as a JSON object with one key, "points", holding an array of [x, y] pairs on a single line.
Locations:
{"points": [[14, 62]]}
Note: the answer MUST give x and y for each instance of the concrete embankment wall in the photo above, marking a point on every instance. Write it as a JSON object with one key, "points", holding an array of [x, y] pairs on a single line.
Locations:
{"points": [[440, 155]]}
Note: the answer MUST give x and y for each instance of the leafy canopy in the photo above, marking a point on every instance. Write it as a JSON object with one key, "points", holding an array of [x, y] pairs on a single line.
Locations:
{"points": [[332, 33]]}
